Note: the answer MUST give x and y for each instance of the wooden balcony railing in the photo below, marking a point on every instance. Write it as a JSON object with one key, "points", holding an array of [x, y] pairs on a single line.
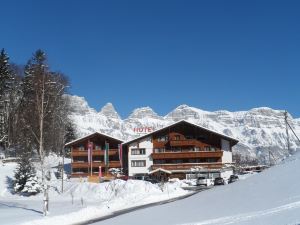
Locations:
{"points": [[187, 166], [187, 155], [78, 174], [77, 152], [80, 165], [184, 142], [112, 164]]}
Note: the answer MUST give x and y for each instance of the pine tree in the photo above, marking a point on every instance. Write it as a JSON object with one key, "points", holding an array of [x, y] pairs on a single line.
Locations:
{"points": [[25, 176], [6, 80]]}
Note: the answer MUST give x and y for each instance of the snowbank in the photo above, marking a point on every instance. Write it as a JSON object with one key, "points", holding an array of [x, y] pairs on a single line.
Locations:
{"points": [[80, 201]]}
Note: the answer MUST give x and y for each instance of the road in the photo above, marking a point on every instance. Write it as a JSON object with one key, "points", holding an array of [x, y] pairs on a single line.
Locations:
{"points": [[124, 211]]}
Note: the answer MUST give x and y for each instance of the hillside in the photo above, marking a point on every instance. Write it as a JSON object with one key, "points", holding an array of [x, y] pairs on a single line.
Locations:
{"points": [[259, 130], [271, 197]]}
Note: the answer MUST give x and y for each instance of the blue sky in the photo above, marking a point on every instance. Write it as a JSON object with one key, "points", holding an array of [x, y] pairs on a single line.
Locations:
{"points": [[232, 55]]}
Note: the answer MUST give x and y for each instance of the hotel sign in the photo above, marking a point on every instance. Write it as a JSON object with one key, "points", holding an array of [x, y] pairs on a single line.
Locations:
{"points": [[143, 130]]}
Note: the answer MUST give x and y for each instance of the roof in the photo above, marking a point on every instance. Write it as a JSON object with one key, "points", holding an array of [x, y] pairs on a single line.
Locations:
{"points": [[183, 121], [160, 170], [90, 136]]}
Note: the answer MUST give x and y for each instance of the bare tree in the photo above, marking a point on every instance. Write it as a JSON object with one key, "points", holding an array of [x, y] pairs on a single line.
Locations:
{"points": [[41, 106]]}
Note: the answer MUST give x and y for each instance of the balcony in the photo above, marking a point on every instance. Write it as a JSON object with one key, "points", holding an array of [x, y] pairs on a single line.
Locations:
{"points": [[187, 166], [112, 164], [187, 155], [80, 165], [77, 152], [191, 142]]}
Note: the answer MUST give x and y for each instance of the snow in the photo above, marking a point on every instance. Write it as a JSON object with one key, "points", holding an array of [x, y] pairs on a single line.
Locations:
{"points": [[80, 201], [271, 197]]}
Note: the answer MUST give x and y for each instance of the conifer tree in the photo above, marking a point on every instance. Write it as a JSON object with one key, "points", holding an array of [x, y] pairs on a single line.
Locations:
{"points": [[25, 176], [6, 80]]}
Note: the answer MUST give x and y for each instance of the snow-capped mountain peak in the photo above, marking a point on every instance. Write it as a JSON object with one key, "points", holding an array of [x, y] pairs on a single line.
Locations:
{"points": [[109, 110], [79, 105], [185, 112], [143, 112]]}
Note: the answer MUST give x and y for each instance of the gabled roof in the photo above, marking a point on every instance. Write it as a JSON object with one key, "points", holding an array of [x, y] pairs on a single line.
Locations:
{"points": [[160, 170], [235, 141], [90, 136]]}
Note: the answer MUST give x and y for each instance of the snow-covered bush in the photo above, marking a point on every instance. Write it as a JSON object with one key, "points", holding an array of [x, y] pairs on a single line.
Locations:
{"points": [[25, 177], [115, 171]]}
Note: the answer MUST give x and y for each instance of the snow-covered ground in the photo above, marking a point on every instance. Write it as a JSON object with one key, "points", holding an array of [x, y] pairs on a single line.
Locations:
{"points": [[271, 197], [89, 200]]}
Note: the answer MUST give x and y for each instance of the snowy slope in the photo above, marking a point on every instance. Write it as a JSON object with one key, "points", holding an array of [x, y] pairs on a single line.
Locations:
{"points": [[271, 197], [259, 130], [90, 200]]}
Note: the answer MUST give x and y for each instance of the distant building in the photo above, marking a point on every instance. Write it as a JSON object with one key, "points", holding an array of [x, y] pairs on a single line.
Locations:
{"points": [[98, 143], [179, 150]]}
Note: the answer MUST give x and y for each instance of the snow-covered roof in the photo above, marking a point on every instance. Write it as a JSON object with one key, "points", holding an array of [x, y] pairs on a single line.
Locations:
{"points": [[182, 121], [160, 170], [91, 135]]}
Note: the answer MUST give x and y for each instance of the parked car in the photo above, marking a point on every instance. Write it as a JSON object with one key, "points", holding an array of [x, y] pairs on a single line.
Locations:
{"points": [[2, 156], [151, 180], [203, 181], [233, 178], [146, 178], [219, 181]]}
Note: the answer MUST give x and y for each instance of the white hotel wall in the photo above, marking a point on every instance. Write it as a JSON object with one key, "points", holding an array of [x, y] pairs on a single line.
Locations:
{"points": [[148, 145], [227, 157], [227, 153]]}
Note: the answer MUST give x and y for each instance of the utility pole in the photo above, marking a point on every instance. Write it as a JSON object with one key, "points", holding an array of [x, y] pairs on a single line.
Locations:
{"points": [[62, 170], [287, 131]]}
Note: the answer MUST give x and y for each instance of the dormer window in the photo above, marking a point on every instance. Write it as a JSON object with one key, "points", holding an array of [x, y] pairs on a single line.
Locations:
{"points": [[177, 137]]}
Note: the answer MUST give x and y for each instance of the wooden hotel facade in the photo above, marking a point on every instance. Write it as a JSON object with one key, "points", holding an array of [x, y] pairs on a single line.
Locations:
{"points": [[179, 149], [81, 166]]}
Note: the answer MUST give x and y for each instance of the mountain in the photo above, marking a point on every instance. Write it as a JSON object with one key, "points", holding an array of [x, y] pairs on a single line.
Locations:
{"points": [[259, 130]]}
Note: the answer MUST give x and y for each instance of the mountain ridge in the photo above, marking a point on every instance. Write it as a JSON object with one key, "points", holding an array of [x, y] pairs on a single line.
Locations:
{"points": [[259, 130]]}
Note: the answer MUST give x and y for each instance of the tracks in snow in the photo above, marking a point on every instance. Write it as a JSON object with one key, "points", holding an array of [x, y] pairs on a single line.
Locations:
{"points": [[248, 216]]}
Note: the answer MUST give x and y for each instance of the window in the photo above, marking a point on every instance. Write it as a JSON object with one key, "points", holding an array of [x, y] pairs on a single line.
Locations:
{"points": [[211, 160], [177, 137], [138, 151], [189, 137], [213, 149], [196, 149], [210, 148], [177, 149], [159, 150], [97, 147], [176, 161], [81, 148], [162, 138], [159, 161], [138, 163]]}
